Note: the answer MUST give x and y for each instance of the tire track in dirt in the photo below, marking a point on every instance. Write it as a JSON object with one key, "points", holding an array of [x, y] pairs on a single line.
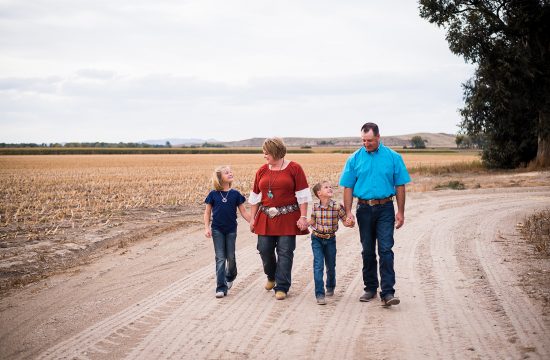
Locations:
{"points": [[456, 299], [467, 313]]}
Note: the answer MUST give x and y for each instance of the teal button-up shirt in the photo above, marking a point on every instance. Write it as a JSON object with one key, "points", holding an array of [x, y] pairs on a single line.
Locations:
{"points": [[374, 175]]}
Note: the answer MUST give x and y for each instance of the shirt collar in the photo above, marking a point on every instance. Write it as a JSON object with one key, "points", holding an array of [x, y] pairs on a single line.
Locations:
{"points": [[330, 204], [375, 151]]}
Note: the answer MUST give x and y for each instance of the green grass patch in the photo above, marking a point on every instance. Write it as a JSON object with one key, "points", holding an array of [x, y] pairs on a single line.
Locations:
{"points": [[116, 151]]}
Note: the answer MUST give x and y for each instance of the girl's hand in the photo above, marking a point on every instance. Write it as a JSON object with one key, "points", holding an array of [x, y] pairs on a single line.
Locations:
{"points": [[252, 226], [207, 233]]}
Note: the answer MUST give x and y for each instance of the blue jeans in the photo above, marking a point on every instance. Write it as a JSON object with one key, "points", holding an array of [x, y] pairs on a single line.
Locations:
{"points": [[277, 267], [226, 263], [376, 224], [324, 253]]}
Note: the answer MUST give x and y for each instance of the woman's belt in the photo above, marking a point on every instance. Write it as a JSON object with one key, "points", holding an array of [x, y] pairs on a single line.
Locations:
{"points": [[281, 210]]}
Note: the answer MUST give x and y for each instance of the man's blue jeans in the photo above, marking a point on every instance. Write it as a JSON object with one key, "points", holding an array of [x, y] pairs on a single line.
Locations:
{"points": [[324, 253], [226, 264], [376, 224], [277, 267]]}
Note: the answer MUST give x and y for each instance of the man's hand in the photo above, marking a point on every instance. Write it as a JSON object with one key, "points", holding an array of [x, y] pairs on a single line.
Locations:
{"points": [[399, 220], [350, 221]]}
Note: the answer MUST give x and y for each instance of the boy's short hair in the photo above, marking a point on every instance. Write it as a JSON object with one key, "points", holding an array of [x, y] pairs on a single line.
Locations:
{"points": [[275, 147], [217, 177], [317, 187]]}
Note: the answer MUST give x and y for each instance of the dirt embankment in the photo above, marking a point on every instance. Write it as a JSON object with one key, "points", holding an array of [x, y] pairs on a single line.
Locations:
{"points": [[470, 288]]}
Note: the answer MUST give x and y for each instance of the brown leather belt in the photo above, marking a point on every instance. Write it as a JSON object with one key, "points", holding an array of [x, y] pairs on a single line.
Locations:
{"points": [[322, 236], [375, 201]]}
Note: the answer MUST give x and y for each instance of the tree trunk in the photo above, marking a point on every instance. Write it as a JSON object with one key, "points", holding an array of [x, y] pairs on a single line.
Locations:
{"points": [[543, 151]]}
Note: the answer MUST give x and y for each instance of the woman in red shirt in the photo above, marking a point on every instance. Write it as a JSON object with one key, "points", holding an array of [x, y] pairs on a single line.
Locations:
{"points": [[279, 199]]}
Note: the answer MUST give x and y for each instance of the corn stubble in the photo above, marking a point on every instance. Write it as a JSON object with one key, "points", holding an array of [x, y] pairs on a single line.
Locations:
{"points": [[43, 196]]}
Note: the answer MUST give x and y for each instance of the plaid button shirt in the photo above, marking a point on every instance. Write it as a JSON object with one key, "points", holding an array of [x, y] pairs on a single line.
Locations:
{"points": [[325, 218]]}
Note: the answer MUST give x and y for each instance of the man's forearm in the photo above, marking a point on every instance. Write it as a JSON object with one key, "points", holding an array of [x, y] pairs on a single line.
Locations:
{"points": [[348, 199], [400, 196]]}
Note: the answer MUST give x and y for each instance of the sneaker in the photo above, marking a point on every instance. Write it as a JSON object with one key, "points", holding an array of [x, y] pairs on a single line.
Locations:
{"points": [[329, 292], [321, 300], [220, 294], [367, 296], [229, 284], [280, 295], [390, 300], [270, 284]]}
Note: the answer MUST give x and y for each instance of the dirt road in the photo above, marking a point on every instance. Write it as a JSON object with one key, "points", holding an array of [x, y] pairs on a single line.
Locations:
{"points": [[459, 265]]}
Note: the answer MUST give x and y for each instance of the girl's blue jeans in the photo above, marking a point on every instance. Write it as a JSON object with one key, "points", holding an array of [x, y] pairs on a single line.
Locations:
{"points": [[226, 264]]}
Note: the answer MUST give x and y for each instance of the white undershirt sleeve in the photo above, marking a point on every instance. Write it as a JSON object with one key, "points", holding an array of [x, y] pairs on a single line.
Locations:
{"points": [[303, 196], [254, 198]]}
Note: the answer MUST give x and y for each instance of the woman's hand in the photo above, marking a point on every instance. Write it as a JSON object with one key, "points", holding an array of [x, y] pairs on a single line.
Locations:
{"points": [[302, 223], [207, 233], [252, 226]]}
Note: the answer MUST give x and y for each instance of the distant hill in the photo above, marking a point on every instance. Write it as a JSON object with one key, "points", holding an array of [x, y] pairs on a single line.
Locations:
{"points": [[179, 142], [433, 140]]}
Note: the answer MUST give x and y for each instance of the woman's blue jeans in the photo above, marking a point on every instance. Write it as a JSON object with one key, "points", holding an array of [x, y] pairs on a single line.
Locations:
{"points": [[324, 253], [277, 266], [226, 263], [376, 225]]}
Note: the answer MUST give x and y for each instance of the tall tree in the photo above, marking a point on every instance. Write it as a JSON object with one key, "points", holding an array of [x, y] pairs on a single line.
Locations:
{"points": [[508, 98]]}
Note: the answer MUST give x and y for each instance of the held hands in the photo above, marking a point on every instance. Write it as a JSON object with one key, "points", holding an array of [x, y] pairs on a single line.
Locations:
{"points": [[302, 223], [207, 233], [350, 221]]}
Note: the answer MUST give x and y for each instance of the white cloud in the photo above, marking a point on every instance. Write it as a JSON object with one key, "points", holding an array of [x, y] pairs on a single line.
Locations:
{"points": [[130, 70]]}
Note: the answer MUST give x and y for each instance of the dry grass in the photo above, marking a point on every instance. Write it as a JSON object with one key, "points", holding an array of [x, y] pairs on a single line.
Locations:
{"points": [[536, 229]]}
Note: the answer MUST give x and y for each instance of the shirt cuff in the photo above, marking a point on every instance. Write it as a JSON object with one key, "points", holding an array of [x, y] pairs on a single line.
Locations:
{"points": [[254, 198], [303, 196]]}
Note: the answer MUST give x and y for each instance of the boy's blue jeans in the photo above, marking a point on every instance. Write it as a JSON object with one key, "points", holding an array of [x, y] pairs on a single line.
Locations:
{"points": [[279, 267], [226, 263], [324, 253], [376, 225]]}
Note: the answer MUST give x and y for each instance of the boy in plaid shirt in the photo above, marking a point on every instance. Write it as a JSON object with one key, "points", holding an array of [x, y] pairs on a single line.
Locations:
{"points": [[324, 224]]}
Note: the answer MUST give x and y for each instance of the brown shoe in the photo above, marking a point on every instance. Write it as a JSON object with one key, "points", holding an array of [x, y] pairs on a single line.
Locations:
{"points": [[270, 284], [280, 295]]}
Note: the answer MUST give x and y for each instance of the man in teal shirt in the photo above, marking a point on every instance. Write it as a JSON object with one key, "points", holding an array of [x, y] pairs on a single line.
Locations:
{"points": [[374, 174]]}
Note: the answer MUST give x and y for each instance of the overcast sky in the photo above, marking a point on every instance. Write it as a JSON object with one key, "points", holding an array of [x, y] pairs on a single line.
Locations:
{"points": [[131, 70]]}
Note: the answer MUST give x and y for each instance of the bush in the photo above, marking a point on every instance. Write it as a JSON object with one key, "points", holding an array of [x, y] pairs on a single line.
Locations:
{"points": [[536, 230], [453, 184]]}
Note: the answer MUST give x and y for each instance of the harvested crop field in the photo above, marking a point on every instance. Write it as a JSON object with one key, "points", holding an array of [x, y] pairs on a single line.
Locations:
{"points": [[98, 254]]}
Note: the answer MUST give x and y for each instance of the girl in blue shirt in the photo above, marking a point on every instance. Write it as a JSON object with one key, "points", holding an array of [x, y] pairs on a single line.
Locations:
{"points": [[221, 207]]}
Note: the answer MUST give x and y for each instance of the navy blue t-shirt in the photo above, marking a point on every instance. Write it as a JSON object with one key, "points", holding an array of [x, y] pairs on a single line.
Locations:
{"points": [[224, 214]]}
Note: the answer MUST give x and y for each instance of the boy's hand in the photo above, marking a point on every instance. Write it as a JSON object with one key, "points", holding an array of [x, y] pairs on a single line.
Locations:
{"points": [[350, 221]]}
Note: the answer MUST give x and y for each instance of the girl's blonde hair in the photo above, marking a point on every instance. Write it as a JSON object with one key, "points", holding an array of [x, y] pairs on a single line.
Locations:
{"points": [[217, 177]]}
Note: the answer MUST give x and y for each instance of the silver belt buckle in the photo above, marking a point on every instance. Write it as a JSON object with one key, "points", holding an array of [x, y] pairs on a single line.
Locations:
{"points": [[272, 212]]}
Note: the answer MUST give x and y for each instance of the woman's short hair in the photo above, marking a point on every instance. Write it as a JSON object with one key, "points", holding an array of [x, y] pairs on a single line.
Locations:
{"points": [[275, 147], [217, 177]]}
